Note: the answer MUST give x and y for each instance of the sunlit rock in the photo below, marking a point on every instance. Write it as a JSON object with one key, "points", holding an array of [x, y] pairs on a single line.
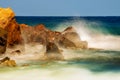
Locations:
{"points": [[6, 15], [13, 34], [7, 62], [8, 23]]}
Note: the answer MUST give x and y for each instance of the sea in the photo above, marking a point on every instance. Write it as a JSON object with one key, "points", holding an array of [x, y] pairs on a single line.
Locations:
{"points": [[102, 63]]}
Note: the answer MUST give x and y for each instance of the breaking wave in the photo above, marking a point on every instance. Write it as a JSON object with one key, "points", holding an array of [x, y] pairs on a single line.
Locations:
{"points": [[94, 33]]}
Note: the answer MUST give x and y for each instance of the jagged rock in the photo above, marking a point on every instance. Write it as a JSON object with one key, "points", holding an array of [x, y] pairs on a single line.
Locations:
{"points": [[6, 15], [53, 52], [8, 23], [71, 34], [7, 62], [22, 33], [3, 40], [34, 34]]}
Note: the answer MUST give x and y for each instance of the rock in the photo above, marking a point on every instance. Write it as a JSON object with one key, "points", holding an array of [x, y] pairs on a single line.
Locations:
{"points": [[7, 62], [35, 34], [16, 52], [3, 40], [65, 43], [71, 34], [12, 33], [6, 15], [53, 52], [8, 23], [4, 59], [24, 65]]}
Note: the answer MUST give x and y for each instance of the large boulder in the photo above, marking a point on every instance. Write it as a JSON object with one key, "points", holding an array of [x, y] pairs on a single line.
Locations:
{"points": [[36, 34], [53, 52], [8, 23], [6, 15], [73, 37], [3, 40], [13, 33], [66, 43]]}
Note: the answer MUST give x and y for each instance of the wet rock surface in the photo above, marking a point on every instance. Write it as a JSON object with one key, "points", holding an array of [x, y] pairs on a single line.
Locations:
{"points": [[53, 52], [25, 34]]}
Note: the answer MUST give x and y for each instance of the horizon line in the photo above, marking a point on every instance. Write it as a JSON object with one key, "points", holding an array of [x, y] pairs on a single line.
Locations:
{"points": [[66, 16]]}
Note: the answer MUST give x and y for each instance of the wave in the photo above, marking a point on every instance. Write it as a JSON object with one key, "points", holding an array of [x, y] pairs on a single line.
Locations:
{"points": [[57, 72], [95, 33]]}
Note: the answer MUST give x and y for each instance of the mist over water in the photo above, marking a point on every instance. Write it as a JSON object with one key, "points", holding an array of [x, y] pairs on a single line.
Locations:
{"points": [[94, 33], [78, 64]]}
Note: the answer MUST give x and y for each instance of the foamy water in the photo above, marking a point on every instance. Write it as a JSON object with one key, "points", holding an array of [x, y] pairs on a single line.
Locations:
{"points": [[57, 73], [97, 37], [78, 64]]}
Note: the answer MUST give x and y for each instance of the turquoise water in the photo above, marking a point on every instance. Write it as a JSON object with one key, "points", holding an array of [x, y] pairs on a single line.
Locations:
{"points": [[100, 32]]}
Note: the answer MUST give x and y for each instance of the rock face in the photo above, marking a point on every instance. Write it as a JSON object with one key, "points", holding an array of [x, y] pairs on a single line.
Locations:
{"points": [[6, 15], [3, 40], [35, 34], [12, 33], [8, 23]]}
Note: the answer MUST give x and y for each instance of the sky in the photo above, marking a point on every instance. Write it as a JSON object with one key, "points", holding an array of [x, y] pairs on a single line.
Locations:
{"points": [[63, 7]]}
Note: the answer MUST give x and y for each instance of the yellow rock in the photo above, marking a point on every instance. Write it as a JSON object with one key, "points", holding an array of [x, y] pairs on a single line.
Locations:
{"points": [[6, 15], [9, 63], [8, 23]]}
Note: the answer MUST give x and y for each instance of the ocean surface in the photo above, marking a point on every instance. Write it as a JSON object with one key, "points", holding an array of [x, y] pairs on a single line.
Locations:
{"points": [[100, 32]]}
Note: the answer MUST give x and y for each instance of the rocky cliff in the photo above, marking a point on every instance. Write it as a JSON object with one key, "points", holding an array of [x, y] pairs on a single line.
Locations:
{"points": [[8, 23], [22, 33]]}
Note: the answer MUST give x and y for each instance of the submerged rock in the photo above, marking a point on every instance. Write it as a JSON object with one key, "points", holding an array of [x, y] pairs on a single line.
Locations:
{"points": [[7, 62]]}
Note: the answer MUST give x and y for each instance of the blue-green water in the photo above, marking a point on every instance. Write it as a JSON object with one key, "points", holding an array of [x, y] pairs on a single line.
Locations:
{"points": [[112, 24], [100, 32]]}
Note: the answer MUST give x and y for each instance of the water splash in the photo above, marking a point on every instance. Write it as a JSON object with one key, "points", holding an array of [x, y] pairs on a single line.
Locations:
{"points": [[94, 33]]}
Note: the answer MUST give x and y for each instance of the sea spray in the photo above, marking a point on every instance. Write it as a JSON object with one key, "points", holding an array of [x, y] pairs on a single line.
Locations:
{"points": [[93, 32]]}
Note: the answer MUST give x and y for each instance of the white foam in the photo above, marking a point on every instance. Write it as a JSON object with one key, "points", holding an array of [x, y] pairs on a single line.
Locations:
{"points": [[58, 74], [95, 37]]}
